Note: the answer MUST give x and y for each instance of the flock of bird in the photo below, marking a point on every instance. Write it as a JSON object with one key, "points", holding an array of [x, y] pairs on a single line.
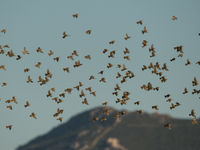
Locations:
{"points": [[124, 74]]}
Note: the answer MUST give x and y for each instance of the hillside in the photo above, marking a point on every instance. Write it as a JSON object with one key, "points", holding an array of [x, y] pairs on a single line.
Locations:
{"points": [[132, 131]]}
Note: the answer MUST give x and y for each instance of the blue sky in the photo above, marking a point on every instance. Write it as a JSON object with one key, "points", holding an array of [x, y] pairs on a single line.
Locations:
{"points": [[37, 23]]}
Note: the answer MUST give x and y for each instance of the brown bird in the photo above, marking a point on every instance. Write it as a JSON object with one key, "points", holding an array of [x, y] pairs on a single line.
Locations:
{"points": [[70, 57], [168, 125], [91, 77], [192, 113], [93, 93], [27, 104], [144, 30], [174, 18], [101, 72], [173, 59], [9, 127], [82, 94], [60, 119], [195, 82], [38, 65], [85, 101], [33, 115], [105, 103], [77, 64], [126, 51], [75, 53], [50, 53], [56, 59], [3, 31], [102, 80], [88, 32], [49, 94], [29, 80], [155, 107], [112, 42], [3, 67], [127, 37], [139, 111], [9, 107], [88, 57], [18, 57], [144, 43], [39, 50], [139, 22], [188, 62], [66, 69], [4, 84], [65, 35], [137, 103], [25, 51], [185, 91], [69, 90], [26, 70], [75, 15], [105, 51], [198, 62], [89, 89], [95, 119]]}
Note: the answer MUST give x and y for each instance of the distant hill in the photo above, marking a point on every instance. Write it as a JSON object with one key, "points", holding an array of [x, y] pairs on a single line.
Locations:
{"points": [[132, 131]]}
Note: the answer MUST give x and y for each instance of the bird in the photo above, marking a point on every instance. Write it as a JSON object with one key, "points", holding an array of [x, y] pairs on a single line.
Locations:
{"points": [[25, 51], [174, 18], [144, 43], [29, 80], [66, 69], [4, 84], [195, 82], [3, 31], [88, 57], [127, 37], [27, 104], [60, 119], [39, 50], [9, 107], [38, 65], [9, 127], [185, 91], [139, 22], [3, 67], [137, 103], [173, 59], [105, 51], [112, 42], [56, 59], [50, 52], [75, 53], [105, 103], [192, 113], [144, 30], [18, 57], [95, 118], [85, 101], [91, 77], [69, 90], [155, 107], [33, 115], [88, 32], [188, 62], [75, 15], [65, 35], [168, 125], [77, 63]]}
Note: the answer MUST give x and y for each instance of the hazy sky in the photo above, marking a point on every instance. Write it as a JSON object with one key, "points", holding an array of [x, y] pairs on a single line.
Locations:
{"points": [[37, 23]]}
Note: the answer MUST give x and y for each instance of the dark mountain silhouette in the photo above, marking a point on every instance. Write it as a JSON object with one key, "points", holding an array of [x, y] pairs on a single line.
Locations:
{"points": [[132, 131]]}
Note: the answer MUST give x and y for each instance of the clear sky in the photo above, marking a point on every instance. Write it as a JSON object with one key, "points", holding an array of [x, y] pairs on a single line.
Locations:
{"points": [[37, 23]]}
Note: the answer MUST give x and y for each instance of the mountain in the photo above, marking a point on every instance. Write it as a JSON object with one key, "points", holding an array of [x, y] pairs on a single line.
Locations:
{"points": [[132, 131]]}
